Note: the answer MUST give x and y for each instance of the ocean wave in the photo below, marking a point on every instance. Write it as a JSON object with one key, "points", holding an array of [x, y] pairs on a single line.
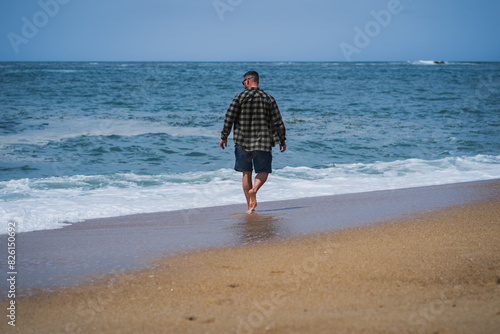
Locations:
{"points": [[60, 129], [441, 62], [50, 203], [428, 62]]}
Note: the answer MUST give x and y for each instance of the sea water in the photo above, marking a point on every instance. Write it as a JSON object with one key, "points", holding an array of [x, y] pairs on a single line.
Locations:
{"points": [[94, 140]]}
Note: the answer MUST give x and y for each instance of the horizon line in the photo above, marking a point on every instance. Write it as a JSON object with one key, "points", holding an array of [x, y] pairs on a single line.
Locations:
{"points": [[246, 61]]}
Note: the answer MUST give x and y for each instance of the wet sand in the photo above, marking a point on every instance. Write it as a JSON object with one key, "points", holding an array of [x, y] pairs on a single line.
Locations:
{"points": [[78, 253], [433, 272]]}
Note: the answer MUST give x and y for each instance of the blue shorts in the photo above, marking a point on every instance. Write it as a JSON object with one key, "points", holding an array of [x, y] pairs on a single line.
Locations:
{"points": [[261, 160]]}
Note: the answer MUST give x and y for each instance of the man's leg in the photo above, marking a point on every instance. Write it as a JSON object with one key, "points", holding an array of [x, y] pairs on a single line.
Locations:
{"points": [[247, 186], [260, 179]]}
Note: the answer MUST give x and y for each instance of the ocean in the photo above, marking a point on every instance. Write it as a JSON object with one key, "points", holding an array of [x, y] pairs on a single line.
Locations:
{"points": [[104, 139]]}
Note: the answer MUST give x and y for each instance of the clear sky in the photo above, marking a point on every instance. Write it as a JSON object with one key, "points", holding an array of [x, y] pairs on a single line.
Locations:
{"points": [[249, 30]]}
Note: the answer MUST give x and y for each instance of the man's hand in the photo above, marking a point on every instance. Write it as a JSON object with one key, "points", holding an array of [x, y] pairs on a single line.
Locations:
{"points": [[282, 148], [223, 144]]}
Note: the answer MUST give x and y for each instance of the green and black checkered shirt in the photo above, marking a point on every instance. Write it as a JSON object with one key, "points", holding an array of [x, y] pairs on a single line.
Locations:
{"points": [[258, 125]]}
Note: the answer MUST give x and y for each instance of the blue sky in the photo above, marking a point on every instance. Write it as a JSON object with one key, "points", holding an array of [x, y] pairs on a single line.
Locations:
{"points": [[249, 30]]}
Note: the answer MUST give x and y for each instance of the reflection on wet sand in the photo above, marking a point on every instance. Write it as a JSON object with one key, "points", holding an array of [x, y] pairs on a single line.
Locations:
{"points": [[257, 227]]}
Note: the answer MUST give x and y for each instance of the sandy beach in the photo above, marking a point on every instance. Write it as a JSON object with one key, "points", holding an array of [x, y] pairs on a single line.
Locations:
{"points": [[432, 271]]}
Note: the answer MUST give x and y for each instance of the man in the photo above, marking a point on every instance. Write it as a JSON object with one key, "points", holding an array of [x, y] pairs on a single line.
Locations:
{"points": [[258, 126]]}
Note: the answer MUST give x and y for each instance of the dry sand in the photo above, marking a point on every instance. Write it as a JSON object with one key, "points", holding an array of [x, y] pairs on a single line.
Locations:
{"points": [[435, 273]]}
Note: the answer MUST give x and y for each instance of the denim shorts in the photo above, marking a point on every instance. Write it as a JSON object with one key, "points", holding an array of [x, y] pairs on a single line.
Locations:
{"points": [[261, 160]]}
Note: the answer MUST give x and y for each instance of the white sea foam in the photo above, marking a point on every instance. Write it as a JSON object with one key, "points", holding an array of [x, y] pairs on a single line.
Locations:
{"points": [[37, 204], [62, 71], [427, 62]]}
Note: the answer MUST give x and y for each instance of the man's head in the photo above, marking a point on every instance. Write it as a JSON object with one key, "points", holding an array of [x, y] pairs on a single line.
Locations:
{"points": [[251, 79]]}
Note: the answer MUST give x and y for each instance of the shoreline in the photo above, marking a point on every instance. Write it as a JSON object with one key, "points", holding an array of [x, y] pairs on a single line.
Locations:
{"points": [[432, 272], [81, 252]]}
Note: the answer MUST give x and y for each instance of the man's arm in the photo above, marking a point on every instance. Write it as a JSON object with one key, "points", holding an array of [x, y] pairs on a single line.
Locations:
{"points": [[278, 125], [232, 114]]}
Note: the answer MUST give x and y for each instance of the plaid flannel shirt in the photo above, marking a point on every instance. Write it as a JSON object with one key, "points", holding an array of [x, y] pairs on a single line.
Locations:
{"points": [[258, 125]]}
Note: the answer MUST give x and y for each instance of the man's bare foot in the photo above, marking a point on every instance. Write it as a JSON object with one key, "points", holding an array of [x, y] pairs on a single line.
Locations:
{"points": [[253, 200]]}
